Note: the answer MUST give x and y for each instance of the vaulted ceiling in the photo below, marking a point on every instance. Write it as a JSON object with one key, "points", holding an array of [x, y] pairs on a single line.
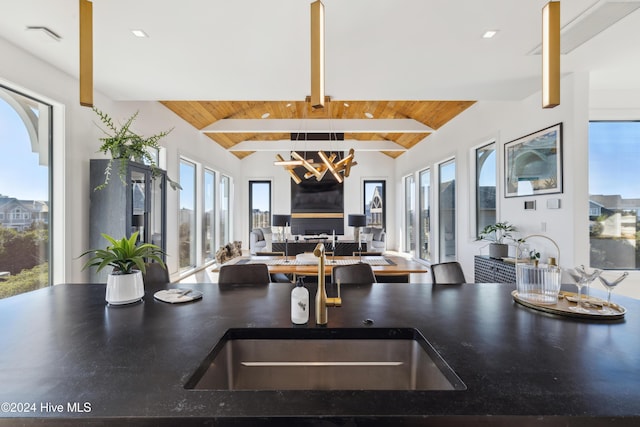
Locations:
{"points": [[201, 114]]}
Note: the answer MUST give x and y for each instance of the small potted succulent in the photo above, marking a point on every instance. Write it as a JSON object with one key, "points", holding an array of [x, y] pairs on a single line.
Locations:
{"points": [[497, 234], [124, 284]]}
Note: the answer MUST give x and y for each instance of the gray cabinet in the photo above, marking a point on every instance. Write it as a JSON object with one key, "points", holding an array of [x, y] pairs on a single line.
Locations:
{"points": [[119, 210], [491, 270]]}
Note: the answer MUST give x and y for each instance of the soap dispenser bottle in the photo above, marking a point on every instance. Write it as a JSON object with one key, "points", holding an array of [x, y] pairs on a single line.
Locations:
{"points": [[299, 303]]}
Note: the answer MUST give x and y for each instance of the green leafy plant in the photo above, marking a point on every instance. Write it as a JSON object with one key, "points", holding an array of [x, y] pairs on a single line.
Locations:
{"points": [[123, 255], [497, 232], [122, 144]]}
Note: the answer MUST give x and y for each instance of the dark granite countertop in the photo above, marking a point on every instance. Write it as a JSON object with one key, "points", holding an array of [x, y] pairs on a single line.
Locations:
{"points": [[66, 357]]}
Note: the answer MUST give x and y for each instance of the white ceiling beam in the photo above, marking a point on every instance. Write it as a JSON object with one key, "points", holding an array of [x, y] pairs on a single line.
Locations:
{"points": [[286, 145], [317, 125]]}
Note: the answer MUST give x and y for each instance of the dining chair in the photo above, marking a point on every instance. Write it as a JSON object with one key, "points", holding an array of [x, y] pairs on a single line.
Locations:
{"points": [[155, 274], [255, 274], [354, 274], [447, 273], [276, 277]]}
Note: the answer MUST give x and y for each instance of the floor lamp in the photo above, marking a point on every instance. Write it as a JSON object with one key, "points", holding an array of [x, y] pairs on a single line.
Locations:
{"points": [[283, 221], [357, 221]]}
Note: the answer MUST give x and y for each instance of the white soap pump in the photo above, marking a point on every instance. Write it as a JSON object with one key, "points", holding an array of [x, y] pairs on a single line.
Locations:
{"points": [[300, 303]]}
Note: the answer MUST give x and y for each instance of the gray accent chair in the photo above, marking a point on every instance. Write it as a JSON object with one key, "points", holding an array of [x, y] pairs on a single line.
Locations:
{"points": [[260, 240], [375, 239]]}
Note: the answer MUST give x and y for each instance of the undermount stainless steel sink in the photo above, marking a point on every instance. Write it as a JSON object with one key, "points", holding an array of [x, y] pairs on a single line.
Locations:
{"points": [[324, 359]]}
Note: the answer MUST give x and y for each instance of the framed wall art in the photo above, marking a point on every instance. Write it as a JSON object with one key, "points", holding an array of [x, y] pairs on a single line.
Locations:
{"points": [[533, 163]]}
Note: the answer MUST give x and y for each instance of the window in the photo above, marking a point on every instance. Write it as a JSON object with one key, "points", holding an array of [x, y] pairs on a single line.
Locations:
{"points": [[425, 221], [485, 186], [187, 215], [208, 215], [409, 209], [259, 204], [614, 194], [25, 180], [225, 217], [374, 203], [447, 211]]}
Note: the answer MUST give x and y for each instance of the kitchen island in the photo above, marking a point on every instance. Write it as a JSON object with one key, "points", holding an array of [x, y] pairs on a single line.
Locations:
{"points": [[68, 359]]}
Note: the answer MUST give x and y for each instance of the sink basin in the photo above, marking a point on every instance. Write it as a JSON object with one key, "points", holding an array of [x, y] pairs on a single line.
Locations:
{"points": [[324, 359]]}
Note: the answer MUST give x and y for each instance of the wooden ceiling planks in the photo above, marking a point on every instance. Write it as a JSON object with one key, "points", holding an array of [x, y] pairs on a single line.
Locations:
{"points": [[430, 113]]}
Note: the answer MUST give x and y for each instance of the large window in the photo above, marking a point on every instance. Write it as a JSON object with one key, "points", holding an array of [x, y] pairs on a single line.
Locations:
{"points": [[374, 203], [25, 147], [614, 194], [409, 213], [485, 186], [259, 204], [225, 218], [187, 229], [208, 216], [447, 211], [425, 214]]}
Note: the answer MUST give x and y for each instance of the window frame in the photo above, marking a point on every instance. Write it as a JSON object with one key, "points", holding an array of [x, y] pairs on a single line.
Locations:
{"points": [[477, 227], [382, 183], [251, 193], [442, 256]]}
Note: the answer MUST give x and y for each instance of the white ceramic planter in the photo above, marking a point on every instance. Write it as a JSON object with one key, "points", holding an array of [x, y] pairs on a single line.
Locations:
{"points": [[124, 288]]}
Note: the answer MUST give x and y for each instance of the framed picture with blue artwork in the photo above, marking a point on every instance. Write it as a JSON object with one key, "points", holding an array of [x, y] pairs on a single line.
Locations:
{"points": [[533, 163]]}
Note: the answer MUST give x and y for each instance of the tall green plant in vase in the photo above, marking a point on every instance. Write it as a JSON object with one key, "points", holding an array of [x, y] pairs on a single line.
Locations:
{"points": [[123, 145]]}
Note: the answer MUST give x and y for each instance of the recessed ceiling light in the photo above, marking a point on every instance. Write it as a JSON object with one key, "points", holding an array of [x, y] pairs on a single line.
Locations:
{"points": [[368, 115], [289, 104], [489, 34], [265, 115], [139, 33], [346, 104]]}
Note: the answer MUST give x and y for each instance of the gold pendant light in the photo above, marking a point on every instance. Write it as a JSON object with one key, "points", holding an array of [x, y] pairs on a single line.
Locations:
{"points": [[86, 53], [317, 54], [339, 169], [551, 55]]}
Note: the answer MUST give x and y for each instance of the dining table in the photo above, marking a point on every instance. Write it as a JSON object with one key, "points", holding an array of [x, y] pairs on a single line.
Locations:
{"points": [[389, 266]]}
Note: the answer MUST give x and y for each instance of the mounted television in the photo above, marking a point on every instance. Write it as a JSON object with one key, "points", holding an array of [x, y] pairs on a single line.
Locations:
{"points": [[311, 195]]}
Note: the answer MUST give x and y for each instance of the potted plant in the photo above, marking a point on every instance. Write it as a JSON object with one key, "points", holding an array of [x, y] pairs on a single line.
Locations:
{"points": [[496, 234], [122, 144], [124, 283]]}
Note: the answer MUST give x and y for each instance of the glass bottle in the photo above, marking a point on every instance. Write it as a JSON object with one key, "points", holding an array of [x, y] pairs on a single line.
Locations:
{"points": [[299, 303]]}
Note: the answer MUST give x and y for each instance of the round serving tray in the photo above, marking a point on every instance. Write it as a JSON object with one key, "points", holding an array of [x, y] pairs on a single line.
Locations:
{"points": [[567, 299]]}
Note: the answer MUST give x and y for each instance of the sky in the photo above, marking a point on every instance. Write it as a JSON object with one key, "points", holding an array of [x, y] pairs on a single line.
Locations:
{"points": [[614, 156], [20, 174]]}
